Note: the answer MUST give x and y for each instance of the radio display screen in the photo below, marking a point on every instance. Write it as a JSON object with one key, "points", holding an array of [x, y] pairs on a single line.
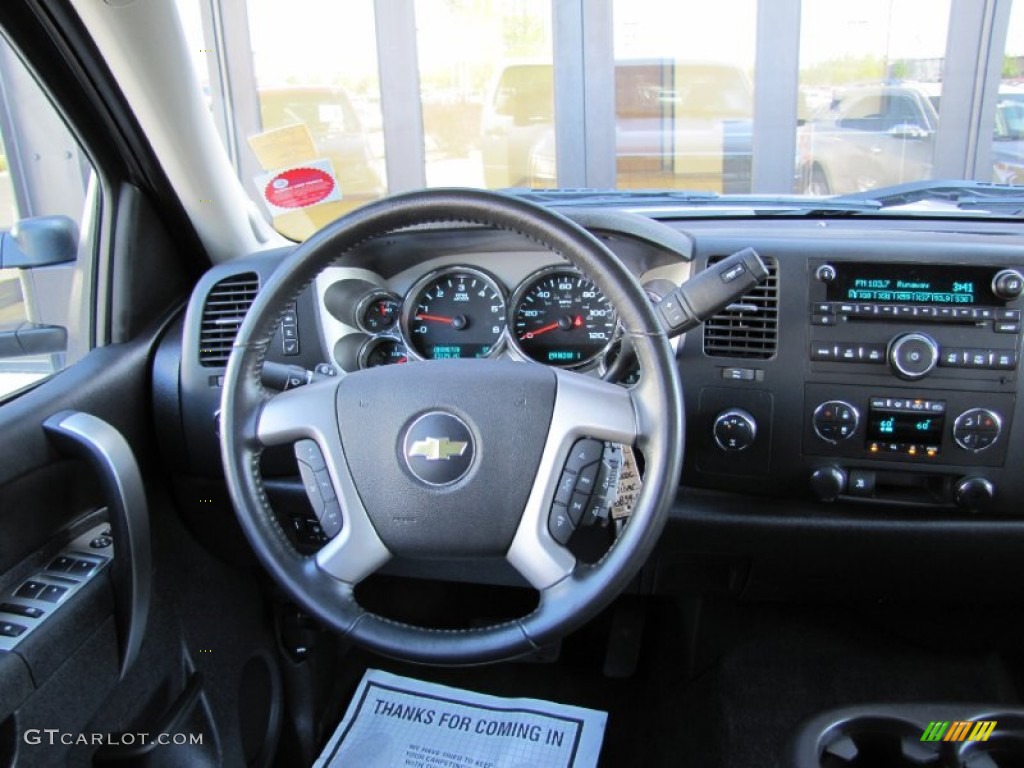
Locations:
{"points": [[915, 428], [913, 284]]}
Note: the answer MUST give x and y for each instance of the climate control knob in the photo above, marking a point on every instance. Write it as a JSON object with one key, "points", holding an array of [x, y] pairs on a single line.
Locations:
{"points": [[977, 429], [835, 420], [913, 355], [734, 430]]}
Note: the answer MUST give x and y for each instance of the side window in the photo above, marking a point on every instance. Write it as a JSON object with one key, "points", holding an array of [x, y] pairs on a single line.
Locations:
{"points": [[45, 274]]}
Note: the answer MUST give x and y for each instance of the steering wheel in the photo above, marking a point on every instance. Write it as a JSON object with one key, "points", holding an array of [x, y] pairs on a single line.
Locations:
{"points": [[451, 458]]}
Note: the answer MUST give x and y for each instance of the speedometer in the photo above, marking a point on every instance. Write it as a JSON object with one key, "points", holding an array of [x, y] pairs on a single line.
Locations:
{"points": [[560, 318], [457, 312]]}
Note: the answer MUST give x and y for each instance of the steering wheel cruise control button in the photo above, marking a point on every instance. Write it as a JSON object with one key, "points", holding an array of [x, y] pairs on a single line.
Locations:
{"points": [[566, 486]]}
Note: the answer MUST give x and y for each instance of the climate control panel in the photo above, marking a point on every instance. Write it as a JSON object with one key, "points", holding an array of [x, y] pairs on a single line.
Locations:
{"points": [[919, 427]]}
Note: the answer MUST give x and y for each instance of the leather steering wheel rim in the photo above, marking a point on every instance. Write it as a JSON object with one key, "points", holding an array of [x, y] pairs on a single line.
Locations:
{"points": [[251, 419]]}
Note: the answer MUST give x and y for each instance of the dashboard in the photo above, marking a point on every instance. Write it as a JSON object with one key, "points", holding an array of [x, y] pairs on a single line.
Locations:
{"points": [[868, 384]]}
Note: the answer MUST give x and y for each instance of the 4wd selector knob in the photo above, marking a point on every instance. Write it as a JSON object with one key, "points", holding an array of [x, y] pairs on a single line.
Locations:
{"points": [[913, 355]]}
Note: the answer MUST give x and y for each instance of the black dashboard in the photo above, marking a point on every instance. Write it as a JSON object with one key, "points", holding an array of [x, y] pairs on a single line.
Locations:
{"points": [[864, 393]]}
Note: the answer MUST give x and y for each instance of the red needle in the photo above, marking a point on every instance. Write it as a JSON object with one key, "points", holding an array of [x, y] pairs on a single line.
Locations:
{"points": [[538, 332], [436, 318]]}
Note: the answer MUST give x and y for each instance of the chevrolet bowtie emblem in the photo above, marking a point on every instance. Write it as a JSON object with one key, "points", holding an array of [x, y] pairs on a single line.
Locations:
{"points": [[437, 448]]}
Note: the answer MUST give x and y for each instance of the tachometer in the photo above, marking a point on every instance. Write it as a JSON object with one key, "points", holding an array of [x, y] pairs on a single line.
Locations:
{"points": [[457, 312], [559, 317]]}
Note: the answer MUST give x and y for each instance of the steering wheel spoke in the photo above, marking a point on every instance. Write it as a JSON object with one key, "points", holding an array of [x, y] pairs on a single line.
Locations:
{"points": [[310, 413], [585, 409]]}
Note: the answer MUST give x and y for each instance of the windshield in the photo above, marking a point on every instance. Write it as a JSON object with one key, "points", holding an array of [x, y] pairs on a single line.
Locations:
{"points": [[822, 99]]}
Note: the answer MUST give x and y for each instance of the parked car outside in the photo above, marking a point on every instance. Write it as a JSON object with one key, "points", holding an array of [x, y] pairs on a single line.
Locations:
{"points": [[879, 135], [678, 125]]}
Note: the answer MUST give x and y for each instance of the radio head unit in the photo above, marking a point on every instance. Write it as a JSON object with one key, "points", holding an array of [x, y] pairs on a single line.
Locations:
{"points": [[922, 284]]}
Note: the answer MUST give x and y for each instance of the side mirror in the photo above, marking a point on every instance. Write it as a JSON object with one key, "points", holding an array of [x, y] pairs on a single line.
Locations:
{"points": [[41, 241], [910, 131]]}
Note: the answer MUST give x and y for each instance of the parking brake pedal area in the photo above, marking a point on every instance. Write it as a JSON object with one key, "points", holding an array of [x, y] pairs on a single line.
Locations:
{"points": [[36, 599]]}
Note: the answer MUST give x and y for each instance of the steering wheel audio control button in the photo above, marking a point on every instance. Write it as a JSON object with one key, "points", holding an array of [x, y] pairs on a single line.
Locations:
{"points": [[566, 486], [330, 520], [560, 524], [584, 453], [308, 452]]}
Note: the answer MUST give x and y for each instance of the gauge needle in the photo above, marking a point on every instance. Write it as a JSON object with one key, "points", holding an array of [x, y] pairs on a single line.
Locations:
{"points": [[538, 332], [436, 318]]}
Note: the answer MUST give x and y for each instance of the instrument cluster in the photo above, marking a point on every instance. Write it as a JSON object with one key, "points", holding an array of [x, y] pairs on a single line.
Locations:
{"points": [[556, 316]]}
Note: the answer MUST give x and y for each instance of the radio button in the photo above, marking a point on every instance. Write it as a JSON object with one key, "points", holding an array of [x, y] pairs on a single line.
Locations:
{"points": [[823, 320], [905, 311], [823, 352], [887, 310], [1007, 314], [824, 308], [848, 353], [1006, 326], [953, 357], [873, 353], [964, 313], [926, 312], [978, 358], [847, 309], [946, 313], [1004, 361], [983, 314]]}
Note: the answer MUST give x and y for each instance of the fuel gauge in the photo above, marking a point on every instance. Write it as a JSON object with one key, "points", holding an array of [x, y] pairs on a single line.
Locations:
{"points": [[378, 352], [378, 311]]}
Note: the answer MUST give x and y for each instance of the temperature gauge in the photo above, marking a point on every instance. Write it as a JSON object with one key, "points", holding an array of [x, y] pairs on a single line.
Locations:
{"points": [[378, 312]]}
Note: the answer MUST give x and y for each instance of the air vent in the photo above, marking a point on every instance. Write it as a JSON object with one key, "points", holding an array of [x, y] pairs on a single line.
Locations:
{"points": [[749, 327], [225, 308]]}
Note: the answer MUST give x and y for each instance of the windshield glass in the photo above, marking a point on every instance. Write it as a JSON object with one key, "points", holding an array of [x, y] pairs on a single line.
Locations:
{"points": [[324, 106]]}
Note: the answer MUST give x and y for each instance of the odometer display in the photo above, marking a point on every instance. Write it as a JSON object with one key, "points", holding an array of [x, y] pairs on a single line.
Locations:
{"points": [[459, 312], [560, 318]]}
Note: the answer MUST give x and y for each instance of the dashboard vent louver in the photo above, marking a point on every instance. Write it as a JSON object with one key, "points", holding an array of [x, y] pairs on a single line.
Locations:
{"points": [[223, 313], [749, 327]]}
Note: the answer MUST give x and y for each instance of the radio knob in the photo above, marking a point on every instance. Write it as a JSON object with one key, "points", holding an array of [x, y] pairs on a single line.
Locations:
{"points": [[826, 273], [828, 482], [735, 430], [973, 493], [1008, 284], [913, 355]]}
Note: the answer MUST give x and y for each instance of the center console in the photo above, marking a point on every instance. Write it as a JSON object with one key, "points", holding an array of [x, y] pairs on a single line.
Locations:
{"points": [[912, 365]]}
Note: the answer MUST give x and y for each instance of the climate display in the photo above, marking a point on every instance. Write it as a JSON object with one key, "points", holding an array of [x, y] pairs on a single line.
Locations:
{"points": [[913, 284], [920, 428]]}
